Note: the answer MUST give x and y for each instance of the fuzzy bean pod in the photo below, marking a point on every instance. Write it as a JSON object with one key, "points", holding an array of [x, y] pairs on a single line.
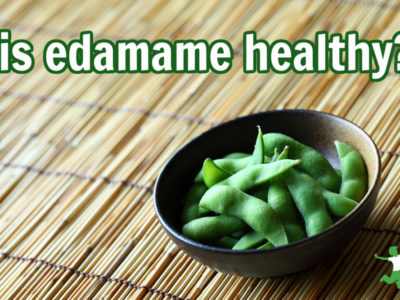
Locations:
{"points": [[260, 192], [236, 155], [280, 155], [256, 213], [238, 234], [258, 153], [266, 246], [280, 200], [191, 209], [354, 173], [313, 162], [338, 172], [249, 240], [213, 174], [257, 175], [212, 228], [307, 196], [338, 205], [230, 165], [226, 242]]}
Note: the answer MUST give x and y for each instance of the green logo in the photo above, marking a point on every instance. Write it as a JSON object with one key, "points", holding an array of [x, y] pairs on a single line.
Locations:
{"points": [[395, 259]]}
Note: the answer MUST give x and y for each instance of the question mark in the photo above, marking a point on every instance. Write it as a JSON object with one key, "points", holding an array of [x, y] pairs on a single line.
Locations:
{"points": [[397, 42]]}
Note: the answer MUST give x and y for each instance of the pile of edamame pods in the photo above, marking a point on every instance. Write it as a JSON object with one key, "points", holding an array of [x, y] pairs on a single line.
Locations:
{"points": [[283, 192]]}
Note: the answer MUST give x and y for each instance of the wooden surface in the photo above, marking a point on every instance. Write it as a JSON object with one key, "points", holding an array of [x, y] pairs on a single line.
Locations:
{"points": [[79, 154]]}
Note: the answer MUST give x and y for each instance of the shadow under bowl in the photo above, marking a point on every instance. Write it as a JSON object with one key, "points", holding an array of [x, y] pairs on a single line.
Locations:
{"points": [[316, 129]]}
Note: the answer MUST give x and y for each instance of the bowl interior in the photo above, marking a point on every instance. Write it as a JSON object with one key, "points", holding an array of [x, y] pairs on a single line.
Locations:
{"points": [[315, 129]]}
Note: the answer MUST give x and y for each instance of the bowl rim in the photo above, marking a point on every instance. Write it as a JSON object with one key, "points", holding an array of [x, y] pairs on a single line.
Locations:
{"points": [[363, 201]]}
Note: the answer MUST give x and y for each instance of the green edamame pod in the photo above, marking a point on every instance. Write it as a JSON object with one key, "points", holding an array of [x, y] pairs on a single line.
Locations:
{"points": [[212, 228], [266, 246], [258, 153], [213, 174], [230, 165], [282, 155], [307, 196], [236, 155], [280, 200], [226, 242], [249, 240], [338, 172], [313, 162], [238, 234], [338, 205], [191, 209], [256, 213], [256, 175], [275, 156], [260, 192], [354, 173]]}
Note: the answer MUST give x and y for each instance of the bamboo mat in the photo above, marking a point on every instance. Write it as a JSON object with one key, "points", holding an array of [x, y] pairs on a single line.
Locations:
{"points": [[79, 154]]}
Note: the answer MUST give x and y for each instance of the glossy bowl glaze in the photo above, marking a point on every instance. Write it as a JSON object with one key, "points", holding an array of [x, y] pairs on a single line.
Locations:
{"points": [[316, 129]]}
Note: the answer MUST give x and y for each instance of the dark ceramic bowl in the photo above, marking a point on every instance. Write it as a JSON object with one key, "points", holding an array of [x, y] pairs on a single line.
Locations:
{"points": [[316, 129]]}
